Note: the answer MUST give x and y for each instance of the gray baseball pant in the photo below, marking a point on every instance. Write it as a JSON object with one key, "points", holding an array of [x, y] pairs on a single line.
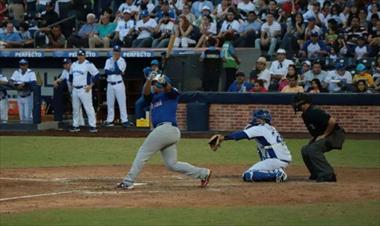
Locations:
{"points": [[163, 138]]}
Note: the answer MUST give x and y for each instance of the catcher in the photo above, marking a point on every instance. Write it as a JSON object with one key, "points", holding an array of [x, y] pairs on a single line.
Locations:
{"points": [[272, 150]]}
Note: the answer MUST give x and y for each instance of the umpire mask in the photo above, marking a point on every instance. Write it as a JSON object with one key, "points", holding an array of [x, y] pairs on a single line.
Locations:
{"points": [[298, 100]]}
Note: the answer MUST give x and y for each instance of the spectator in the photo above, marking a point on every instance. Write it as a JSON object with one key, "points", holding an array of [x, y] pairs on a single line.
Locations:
{"points": [[80, 39], [339, 79], [103, 33], [206, 11], [316, 72], [128, 5], [207, 30], [362, 87], [311, 28], [316, 86], [125, 31], [145, 5], [314, 13], [41, 5], [27, 40], [361, 50], [362, 74], [230, 24], [353, 33], [222, 9], [271, 9], [249, 30], [240, 84], [145, 28], [314, 48], [295, 33], [165, 9], [3, 10], [198, 5], [292, 72], [10, 38], [293, 86], [49, 16], [187, 12], [54, 35], [230, 60], [246, 6], [183, 33], [163, 31], [374, 37], [305, 68], [211, 66], [16, 10], [270, 32], [259, 87], [263, 73], [279, 69]]}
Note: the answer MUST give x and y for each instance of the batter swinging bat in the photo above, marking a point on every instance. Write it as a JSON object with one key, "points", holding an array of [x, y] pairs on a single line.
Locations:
{"points": [[166, 55]]}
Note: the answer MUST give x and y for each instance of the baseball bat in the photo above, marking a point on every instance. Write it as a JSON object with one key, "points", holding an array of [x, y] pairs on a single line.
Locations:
{"points": [[166, 55]]}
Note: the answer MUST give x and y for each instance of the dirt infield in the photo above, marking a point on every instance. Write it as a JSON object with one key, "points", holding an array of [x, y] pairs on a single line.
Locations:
{"points": [[29, 189]]}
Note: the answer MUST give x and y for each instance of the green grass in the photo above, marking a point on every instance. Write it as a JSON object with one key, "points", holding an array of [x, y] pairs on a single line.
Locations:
{"points": [[28, 151], [343, 214]]}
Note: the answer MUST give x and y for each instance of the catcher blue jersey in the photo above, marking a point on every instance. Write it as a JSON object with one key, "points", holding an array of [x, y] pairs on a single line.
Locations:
{"points": [[269, 142]]}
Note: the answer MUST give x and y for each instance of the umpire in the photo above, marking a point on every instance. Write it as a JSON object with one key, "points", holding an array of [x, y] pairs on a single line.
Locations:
{"points": [[327, 135]]}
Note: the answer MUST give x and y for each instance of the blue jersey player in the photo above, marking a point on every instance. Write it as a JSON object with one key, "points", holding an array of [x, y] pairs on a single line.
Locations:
{"points": [[163, 99], [273, 152]]}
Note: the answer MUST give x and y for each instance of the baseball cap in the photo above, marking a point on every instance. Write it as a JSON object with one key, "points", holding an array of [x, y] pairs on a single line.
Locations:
{"points": [[81, 52], [154, 62], [144, 13], [307, 62], [117, 48], [360, 67], [315, 34], [281, 51], [23, 61], [311, 19], [66, 61], [127, 11], [261, 60], [206, 8], [340, 66]]}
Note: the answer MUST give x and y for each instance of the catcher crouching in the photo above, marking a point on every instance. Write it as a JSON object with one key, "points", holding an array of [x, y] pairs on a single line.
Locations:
{"points": [[273, 152]]}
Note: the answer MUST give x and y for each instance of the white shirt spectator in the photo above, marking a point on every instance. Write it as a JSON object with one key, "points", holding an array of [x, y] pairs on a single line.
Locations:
{"points": [[212, 28], [246, 7], [125, 6], [271, 29], [234, 25], [280, 68], [333, 78], [123, 27], [360, 52], [151, 23], [265, 76], [80, 71]]}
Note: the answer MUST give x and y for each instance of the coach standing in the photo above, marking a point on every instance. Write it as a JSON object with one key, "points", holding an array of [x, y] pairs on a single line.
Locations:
{"points": [[23, 79], [114, 69], [327, 135]]}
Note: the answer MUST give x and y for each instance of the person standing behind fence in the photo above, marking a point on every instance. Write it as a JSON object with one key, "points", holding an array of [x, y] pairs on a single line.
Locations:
{"points": [[230, 60], [211, 66], [83, 75], [3, 100], [23, 79], [114, 69]]}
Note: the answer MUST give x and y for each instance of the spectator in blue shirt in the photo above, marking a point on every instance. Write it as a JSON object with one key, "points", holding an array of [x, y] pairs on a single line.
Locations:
{"points": [[10, 38], [240, 84], [249, 31], [80, 39], [314, 48], [165, 9], [197, 6]]}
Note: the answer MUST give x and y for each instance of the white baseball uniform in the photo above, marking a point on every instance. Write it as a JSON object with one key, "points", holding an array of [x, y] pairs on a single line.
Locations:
{"points": [[116, 89], [82, 75], [3, 101], [25, 97], [272, 150], [65, 75]]}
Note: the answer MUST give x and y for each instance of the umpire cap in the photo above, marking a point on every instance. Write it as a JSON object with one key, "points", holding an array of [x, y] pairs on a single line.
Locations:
{"points": [[299, 99]]}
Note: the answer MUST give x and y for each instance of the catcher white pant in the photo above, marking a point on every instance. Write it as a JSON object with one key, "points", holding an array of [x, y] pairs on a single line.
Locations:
{"points": [[80, 96], [268, 165], [25, 108], [117, 92], [4, 109], [164, 138]]}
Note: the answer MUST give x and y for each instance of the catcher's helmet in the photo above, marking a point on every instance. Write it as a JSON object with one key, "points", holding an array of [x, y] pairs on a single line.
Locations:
{"points": [[299, 99], [261, 114]]}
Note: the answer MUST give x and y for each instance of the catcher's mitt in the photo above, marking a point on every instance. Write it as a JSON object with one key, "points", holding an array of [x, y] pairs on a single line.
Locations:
{"points": [[215, 141]]}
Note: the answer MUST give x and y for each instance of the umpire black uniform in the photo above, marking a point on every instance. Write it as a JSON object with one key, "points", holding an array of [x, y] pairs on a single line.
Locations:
{"points": [[327, 135], [212, 64]]}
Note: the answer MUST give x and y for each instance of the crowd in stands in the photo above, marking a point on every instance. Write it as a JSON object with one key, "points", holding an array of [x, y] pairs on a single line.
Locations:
{"points": [[327, 37]]}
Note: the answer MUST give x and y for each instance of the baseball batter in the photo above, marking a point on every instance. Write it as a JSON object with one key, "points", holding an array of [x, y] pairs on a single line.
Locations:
{"points": [[114, 69], [272, 150], [165, 135], [3, 101], [82, 77], [23, 79]]}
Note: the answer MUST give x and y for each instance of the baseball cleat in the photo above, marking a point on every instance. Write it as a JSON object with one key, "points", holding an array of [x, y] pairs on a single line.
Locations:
{"points": [[124, 186], [331, 178], [127, 124], [205, 181], [74, 129], [108, 124], [281, 176], [93, 130]]}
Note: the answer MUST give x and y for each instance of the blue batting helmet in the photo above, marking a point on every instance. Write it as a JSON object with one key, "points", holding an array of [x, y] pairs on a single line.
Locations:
{"points": [[261, 114]]}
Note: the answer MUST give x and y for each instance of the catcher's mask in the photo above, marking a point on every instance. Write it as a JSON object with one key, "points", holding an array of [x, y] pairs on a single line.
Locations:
{"points": [[299, 99], [261, 114]]}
